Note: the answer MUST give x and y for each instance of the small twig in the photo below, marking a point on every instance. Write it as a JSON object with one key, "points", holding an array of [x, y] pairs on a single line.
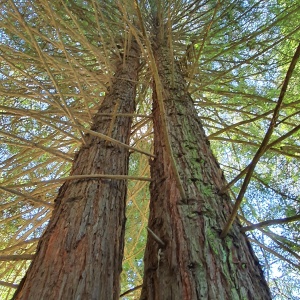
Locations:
{"points": [[78, 177], [116, 142], [271, 222], [274, 252], [8, 284], [25, 196], [156, 238], [131, 290], [269, 146]]}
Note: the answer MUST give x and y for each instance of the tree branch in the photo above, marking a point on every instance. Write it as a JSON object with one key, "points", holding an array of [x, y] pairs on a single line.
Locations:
{"points": [[8, 284], [263, 145], [131, 290], [242, 173], [274, 253], [271, 222], [16, 257]]}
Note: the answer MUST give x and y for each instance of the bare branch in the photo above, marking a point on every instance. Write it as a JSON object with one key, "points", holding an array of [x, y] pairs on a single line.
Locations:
{"points": [[16, 257], [263, 145], [271, 222], [8, 284]]}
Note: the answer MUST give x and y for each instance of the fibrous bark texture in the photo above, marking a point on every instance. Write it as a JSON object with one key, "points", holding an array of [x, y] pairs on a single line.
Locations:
{"points": [[80, 254], [194, 262]]}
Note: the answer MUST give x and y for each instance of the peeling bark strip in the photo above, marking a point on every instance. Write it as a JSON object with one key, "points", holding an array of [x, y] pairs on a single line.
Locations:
{"points": [[195, 262], [80, 254]]}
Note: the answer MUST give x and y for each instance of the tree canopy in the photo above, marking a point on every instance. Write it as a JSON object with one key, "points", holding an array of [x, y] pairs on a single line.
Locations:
{"points": [[240, 61]]}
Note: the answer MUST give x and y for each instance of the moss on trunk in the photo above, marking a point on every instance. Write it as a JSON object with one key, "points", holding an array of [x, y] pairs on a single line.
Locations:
{"points": [[195, 262]]}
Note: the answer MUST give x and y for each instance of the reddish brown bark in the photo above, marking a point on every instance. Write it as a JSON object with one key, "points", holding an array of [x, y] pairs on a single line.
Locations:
{"points": [[194, 263], [80, 254]]}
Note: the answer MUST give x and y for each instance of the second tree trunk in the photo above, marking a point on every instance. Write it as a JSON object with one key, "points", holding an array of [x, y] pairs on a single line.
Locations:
{"points": [[193, 262]]}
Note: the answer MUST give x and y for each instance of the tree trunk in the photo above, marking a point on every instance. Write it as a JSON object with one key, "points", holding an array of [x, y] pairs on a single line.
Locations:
{"points": [[80, 254], [191, 261]]}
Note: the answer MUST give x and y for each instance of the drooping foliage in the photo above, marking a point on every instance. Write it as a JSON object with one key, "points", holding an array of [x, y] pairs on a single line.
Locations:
{"points": [[56, 66]]}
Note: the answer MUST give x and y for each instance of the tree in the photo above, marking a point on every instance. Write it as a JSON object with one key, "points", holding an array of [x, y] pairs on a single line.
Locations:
{"points": [[88, 220], [96, 188], [231, 71], [186, 210]]}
